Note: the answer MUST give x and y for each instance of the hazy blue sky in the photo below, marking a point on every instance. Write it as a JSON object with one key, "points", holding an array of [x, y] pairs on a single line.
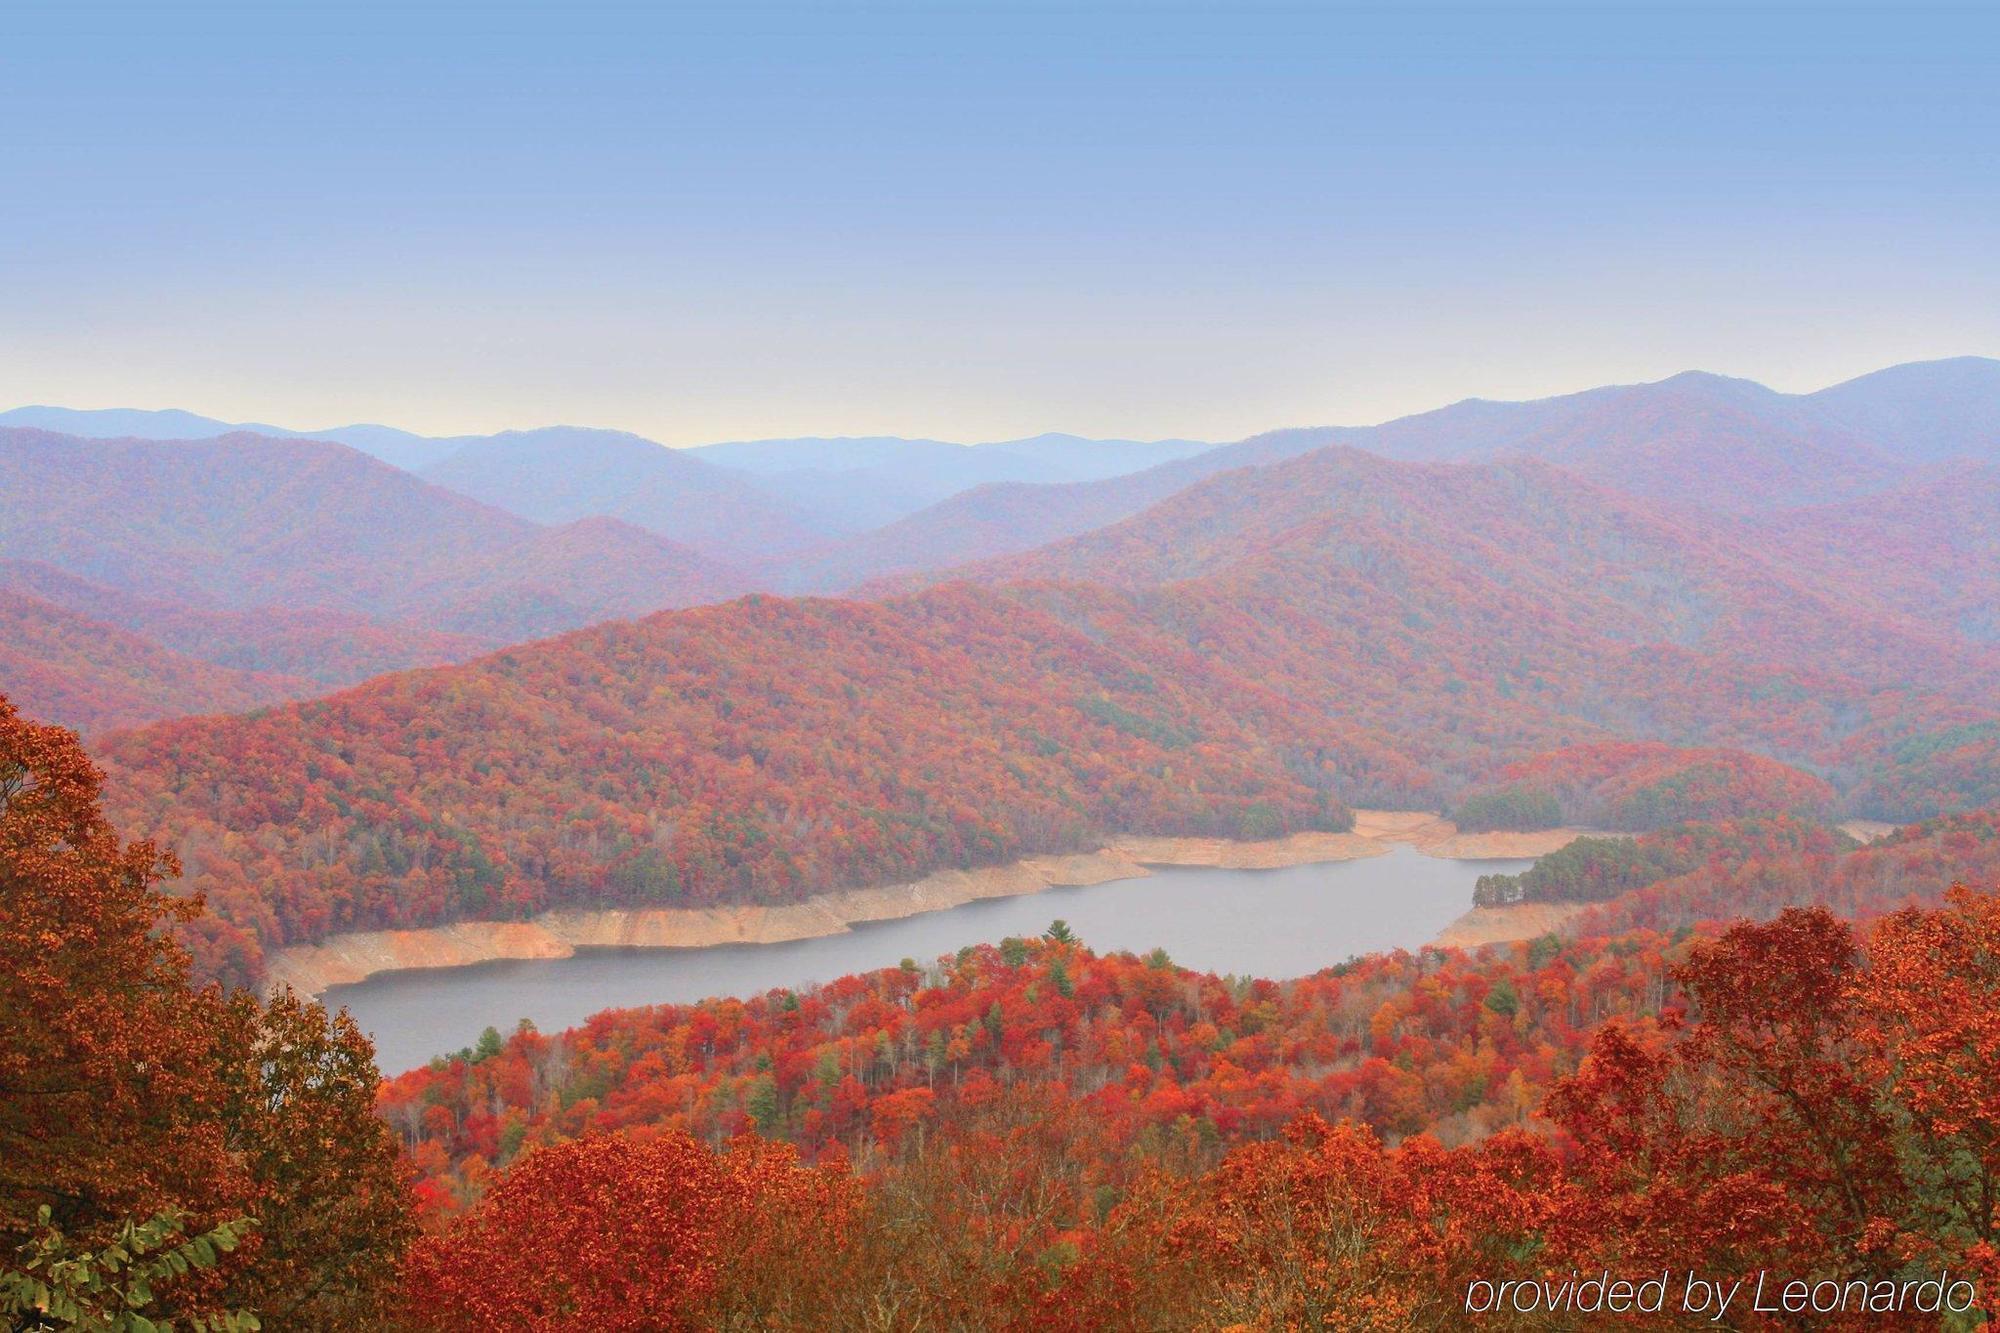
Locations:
{"points": [[744, 220]]}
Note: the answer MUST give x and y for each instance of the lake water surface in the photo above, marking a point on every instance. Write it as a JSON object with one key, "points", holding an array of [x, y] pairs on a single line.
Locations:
{"points": [[1267, 923]]}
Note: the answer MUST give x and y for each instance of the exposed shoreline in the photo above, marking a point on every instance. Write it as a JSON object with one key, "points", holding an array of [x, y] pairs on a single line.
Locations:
{"points": [[1526, 921], [1515, 921], [344, 959]]}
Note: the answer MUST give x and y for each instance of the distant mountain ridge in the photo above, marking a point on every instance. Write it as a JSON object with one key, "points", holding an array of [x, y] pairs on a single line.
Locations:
{"points": [[301, 560], [866, 482], [562, 474], [252, 552], [1242, 659], [1918, 412], [1003, 518], [95, 676], [1923, 410], [313, 646], [1697, 440], [398, 448], [830, 513], [243, 520], [747, 500]]}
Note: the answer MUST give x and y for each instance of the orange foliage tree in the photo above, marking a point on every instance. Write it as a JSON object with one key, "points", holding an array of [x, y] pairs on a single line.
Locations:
{"points": [[125, 1095], [109, 1106], [641, 1233]]}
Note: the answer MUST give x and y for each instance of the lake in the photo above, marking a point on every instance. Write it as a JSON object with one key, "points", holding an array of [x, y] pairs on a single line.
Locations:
{"points": [[1267, 923]]}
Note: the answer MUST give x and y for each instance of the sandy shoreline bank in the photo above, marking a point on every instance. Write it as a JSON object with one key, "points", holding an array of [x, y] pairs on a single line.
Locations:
{"points": [[1526, 921], [343, 959], [1498, 925]]}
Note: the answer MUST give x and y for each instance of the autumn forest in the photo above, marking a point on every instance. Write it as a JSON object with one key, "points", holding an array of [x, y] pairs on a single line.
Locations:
{"points": [[1720, 661]]}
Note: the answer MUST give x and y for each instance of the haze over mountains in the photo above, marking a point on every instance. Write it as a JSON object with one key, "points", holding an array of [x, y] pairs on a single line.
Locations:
{"points": [[1696, 437], [97, 675], [1244, 640], [562, 474], [747, 499], [304, 558], [399, 448], [255, 565], [860, 483]]}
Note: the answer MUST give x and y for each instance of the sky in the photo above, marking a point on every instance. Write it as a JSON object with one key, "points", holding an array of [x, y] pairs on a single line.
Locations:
{"points": [[977, 222]]}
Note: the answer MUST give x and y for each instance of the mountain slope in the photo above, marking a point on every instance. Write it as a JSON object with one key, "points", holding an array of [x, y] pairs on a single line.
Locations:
{"points": [[557, 578], [323, 645], [93, 676], [564, 473], [866, 482], [1458, 613], [1000, 519], [398, 448], [1242, 657], [1696, 438], [243, 522], [1721, 444], [1930, 549], [762, 750], [1926, 411]]}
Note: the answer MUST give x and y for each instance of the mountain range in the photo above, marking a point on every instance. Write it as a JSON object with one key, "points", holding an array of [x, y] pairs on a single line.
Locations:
{"points": [[309, 564], [1245, 640], [299, 557], [864, 483], [741, 501], [1275, 631]]}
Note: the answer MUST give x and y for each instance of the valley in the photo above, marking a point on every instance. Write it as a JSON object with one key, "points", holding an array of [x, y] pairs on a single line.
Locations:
{"points": [[346, 959], [628, 796], [1273, 922], [1052, 668], [1243, 641]]}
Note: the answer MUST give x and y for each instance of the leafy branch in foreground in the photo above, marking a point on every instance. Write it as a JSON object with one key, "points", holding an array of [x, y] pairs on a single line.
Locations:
{"points": [[56, 1286]]}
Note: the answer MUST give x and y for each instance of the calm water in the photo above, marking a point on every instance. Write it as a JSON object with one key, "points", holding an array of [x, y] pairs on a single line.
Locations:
{"points": [[1268, 923]]}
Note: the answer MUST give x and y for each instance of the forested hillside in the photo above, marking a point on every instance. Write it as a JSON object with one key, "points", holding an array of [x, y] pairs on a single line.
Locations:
{"points": [[300, 558], [1877, 493], [244, 521], [561, 474], [1054, 1138], [1705, 440], [1245, 658], [1026, 1134], [316, 644], [1000, 518], [1456, 1045], [1634, 785], [95, 676], [1931, 548], [759, 751], [1520, 590]]}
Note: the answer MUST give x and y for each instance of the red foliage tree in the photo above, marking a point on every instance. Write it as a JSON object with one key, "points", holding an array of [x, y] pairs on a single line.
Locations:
{"points": [[631, 1233]]}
